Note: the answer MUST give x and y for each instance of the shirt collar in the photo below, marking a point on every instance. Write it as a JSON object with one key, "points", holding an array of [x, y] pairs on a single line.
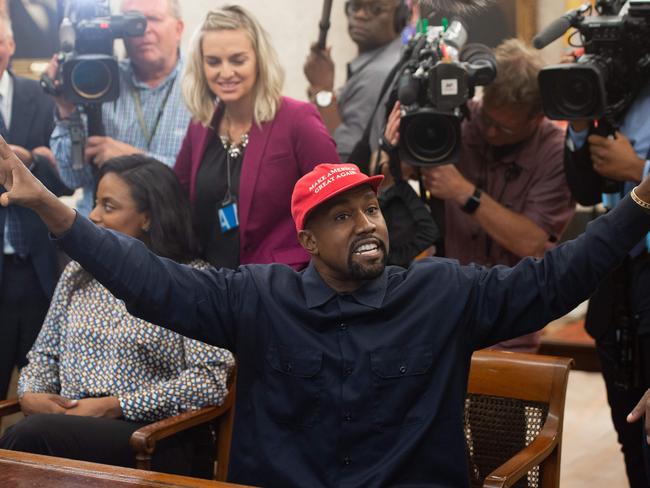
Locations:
{"points": [[5, 84], [364, 59], [317, 292], [143, 86]]}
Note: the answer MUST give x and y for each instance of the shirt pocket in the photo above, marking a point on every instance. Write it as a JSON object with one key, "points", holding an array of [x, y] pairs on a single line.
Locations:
{"points": [[401, 377], [294, 385]]}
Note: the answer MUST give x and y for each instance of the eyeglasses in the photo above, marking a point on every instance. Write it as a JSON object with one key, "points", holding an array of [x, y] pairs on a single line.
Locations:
{"points": [[372, 9], [489, 122]]}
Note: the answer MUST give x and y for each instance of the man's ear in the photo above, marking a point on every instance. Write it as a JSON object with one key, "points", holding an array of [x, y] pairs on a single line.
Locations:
{"points": [[307, 240]]}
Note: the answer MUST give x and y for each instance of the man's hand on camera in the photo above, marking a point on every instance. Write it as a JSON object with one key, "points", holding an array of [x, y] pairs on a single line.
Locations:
{"points": [[391, 133], [446, 183], [615, 158], [64, 108], [319, 69], [100, 149]]}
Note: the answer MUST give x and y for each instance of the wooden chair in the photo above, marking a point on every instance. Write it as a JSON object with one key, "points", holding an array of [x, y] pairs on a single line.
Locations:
{"points": [[143, 441], [514, 412]]}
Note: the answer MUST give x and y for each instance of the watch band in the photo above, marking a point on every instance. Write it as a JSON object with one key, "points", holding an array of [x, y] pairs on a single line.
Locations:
{"points": [[472, 202]]}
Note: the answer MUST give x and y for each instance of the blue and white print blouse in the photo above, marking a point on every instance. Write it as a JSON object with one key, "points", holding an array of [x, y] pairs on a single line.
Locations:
{"points": [[90, 346]]}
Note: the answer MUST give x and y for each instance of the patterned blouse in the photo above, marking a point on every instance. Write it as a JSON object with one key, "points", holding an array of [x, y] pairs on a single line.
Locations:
{"points": [[90, 346]]}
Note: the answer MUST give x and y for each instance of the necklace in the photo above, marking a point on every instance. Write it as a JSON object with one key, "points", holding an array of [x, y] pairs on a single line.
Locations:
{"points": [[233, 150]]}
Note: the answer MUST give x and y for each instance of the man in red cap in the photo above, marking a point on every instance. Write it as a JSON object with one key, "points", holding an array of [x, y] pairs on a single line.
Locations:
{"points": [[350, 372]]}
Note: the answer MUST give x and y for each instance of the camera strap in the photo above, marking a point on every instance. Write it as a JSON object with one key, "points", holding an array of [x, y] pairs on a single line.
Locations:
{"points": [[138, 112]]}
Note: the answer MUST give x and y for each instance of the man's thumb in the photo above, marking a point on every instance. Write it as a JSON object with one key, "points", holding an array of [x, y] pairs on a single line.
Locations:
{"points": [[637, 412]]}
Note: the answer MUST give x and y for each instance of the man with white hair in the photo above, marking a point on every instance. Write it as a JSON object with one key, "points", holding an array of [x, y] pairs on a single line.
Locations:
{"points": [[28, 262], [149, 116]]}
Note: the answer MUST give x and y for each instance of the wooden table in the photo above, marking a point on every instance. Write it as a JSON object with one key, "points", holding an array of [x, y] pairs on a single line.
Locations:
{"points": [[23, 470]]}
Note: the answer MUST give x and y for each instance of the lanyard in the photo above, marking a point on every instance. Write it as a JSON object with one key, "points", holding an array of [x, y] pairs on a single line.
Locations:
{"points": [[138, 111]]}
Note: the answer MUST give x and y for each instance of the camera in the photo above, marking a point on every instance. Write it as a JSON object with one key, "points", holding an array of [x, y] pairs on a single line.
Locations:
{"points": [[88, 71], [603, 82], [438, 77]]}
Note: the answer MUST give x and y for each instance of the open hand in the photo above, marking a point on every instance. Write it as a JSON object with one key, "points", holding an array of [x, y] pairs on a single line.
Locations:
{"points": [[21, 185]]}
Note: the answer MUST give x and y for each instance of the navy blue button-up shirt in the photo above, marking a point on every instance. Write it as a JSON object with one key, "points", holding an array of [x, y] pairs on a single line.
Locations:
{"points": [[359, 389]]}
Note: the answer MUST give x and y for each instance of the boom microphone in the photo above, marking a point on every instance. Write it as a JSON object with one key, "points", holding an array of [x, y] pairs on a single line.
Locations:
{"points": [[456, 6]]}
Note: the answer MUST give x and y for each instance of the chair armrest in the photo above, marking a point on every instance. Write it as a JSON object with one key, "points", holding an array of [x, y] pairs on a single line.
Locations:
{"points": [[144, 439], [7, 407], [521, 463]]}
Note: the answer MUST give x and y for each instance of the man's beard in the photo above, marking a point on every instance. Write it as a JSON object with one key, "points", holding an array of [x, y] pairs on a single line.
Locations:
{"points": [[456, 6], [357, 271]]}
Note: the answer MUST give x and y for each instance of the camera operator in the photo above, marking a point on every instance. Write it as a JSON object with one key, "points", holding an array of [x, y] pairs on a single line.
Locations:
{"points": [[619, 312], [375, 27], [507, 197], [149, 116]]}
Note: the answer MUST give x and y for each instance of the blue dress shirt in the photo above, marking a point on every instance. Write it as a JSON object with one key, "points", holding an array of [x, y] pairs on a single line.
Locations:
{"points": [[359, 389]]}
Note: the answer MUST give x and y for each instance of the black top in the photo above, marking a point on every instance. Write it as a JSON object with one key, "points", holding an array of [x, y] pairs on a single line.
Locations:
{"points": [[361, 389], [219, 249]]}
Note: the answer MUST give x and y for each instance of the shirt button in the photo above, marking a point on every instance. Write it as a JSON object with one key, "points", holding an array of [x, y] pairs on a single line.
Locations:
{"points": [[348, 417], [343, 326], [288, 367], [402, 369], [347, 460], [348, 371]]}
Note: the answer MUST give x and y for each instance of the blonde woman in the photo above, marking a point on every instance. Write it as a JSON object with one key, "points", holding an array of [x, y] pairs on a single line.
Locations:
{"points": [[247, 144]]}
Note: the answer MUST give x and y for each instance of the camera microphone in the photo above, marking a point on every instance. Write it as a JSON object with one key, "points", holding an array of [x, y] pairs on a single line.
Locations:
{"points": [[558, 27]]}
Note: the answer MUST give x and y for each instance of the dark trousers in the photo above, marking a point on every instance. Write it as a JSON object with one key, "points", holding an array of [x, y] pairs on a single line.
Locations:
{"points": [[106, 441], [621, 402], [23, 306]]}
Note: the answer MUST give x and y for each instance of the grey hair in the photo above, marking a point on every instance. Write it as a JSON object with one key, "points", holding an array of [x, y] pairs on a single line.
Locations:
{"points": [[270, 75], [173, 6], [6, 21], [516, 83]]}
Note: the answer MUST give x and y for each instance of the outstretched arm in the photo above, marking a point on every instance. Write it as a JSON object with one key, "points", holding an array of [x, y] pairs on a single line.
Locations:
{"points": [[24, 189]]}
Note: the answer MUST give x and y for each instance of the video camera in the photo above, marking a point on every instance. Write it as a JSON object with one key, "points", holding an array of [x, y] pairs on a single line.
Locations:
{"points": [[88, 71], [603, 82], [438, 77]]}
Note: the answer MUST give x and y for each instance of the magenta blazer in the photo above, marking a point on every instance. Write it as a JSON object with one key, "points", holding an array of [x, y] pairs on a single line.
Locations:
{"points": [[278, 154]]}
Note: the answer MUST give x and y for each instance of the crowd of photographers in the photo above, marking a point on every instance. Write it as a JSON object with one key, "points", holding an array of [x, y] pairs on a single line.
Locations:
{"points": [[237, 147]]}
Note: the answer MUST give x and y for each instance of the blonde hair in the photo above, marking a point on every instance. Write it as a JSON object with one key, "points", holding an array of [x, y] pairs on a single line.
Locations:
{"points": [[516, 83], [270, 76]]}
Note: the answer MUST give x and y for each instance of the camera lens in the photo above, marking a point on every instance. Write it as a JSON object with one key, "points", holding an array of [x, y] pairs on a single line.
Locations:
{"points": [[577, 93], [91, 79], [430, 138]]}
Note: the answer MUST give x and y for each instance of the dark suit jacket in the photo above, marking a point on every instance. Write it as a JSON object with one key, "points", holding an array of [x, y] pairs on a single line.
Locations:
{"points": [[32, 121], [279, 152]]}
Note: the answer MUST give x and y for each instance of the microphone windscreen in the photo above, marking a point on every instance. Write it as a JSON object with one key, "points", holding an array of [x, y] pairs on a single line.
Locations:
{"points": [[456, 6]]}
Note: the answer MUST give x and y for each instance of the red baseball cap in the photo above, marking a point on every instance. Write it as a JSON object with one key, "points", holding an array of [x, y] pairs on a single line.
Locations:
{"points": [[324, 182]]}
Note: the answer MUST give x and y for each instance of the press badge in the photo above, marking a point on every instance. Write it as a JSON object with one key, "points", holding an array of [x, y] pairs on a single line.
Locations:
{"points": [[228, 218]]}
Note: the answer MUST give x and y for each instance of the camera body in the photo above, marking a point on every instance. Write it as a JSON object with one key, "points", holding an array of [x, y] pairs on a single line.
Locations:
{"points": [[434, 85], [88, 70], [604, 81]]}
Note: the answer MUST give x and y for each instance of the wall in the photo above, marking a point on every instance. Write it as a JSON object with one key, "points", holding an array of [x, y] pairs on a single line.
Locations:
{"points": [[293, 26]]}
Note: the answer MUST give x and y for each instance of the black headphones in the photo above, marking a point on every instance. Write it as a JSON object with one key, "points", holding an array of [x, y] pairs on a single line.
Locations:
{"points": [[400, 19]]}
